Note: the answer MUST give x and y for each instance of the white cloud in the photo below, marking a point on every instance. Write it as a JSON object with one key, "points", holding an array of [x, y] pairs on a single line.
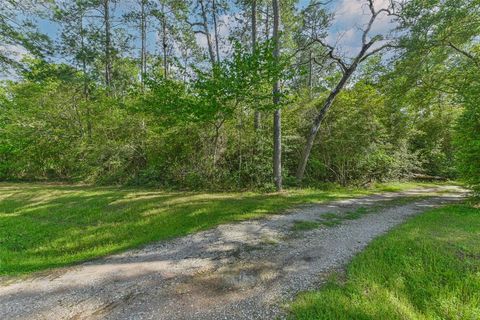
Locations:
{"points": [[351, 17]]}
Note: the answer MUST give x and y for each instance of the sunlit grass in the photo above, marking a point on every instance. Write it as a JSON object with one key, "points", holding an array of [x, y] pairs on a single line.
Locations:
{"points": [[428, 268], [44, 225]]}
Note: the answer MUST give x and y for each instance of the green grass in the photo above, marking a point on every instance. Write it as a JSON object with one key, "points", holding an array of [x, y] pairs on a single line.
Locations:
{"points": [[44, 226], [428, 268], [357, 214], [334, 219], [305, 225], [331, 223]]}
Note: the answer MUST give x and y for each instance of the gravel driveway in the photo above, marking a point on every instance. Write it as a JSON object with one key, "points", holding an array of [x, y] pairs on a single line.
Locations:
{"points": [[245, 270]]}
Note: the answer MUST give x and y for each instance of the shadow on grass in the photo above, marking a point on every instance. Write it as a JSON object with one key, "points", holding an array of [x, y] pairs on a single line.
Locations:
{"points": [[46, 225], [49, 226]]}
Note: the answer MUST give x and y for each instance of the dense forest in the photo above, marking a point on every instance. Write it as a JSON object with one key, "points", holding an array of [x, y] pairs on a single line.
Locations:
{"points": [[225, 94]]}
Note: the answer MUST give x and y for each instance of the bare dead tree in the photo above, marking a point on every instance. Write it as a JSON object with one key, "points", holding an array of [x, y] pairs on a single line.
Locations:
{"points": [[347, 69]]}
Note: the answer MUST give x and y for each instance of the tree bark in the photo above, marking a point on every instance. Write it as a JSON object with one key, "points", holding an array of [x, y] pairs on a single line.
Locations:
{"points": [[310, 74], [267, 22], [277, 118], [206, 31], [85, 79], [257, 116], [254, 25], [164, 42], [215, 26], [143, 53], [108, 44]]}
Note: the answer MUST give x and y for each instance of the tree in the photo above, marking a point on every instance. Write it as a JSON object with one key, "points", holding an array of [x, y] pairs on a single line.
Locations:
{"points": [[107, 109], [143, 38], [347, 70], [171, 15], [78, 43], [19, 34], [277, 117], [108, 42], [467, 138], [257, 116], [441, 59], [201, 26], [215, 29]]}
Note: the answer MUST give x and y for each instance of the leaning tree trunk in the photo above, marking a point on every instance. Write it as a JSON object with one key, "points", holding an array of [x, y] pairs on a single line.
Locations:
{"points": [[316, 126], [277, 119], [347, 73]]}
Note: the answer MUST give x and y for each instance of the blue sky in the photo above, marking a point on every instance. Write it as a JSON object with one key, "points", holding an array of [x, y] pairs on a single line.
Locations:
{"points": [[350, 17]]}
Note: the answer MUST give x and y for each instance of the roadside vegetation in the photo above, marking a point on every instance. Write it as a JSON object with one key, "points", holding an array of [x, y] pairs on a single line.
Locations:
{"points": [[151, 93], [46, 225], [428, 268]]}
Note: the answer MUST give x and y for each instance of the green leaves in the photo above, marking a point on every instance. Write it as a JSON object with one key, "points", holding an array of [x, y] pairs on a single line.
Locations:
{"points": [[170, 101], [467, 139]]}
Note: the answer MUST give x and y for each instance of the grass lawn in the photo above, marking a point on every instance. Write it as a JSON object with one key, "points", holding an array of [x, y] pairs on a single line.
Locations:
{"points": [[428, 268], [44, 225]]}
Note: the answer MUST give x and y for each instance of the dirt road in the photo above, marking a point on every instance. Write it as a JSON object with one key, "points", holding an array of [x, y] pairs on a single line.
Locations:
{"points": [[246, 270]]}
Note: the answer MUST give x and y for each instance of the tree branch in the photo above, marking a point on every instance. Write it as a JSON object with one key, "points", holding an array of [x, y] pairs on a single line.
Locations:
{"points": [[465, 53], [377, 50], [331, 54]]}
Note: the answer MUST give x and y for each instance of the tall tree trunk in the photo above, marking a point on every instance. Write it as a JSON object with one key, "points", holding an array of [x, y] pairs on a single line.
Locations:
{"points": [[185, 65], [108, 43], [254, 25], [85, 79], [164, 42], [143, 53], [257, 116], [206, 31], [310, 75], [165, 50], [277, 118], [84, 60], [215, 26], [267, 22]]}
